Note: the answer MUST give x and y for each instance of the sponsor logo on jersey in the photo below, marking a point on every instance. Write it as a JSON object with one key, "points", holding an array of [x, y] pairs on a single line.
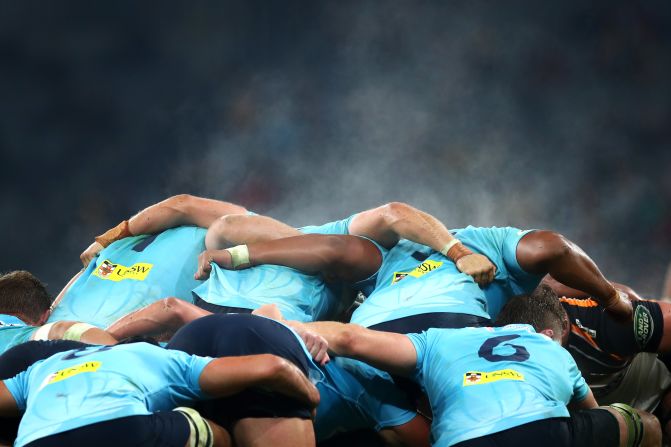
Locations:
{"points": [[71, 372], [643, 325], [419, 271], [117, 272], [480, 377]]}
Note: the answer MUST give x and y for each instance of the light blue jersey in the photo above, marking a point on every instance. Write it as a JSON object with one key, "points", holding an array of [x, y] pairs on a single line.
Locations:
{"points": [[500, 246], [349, 403], [13, 332], [298, 295], [414, 279], [486, 380], [132, 273], [77, 388]]}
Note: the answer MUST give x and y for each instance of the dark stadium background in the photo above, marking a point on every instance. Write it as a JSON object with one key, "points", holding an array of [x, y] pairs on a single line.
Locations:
{"points": [[525, 113]]}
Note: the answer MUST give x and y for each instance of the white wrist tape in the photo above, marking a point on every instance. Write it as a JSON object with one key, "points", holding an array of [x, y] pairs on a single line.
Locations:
{"points": [[449, 245], [42, 333], [76, 331], [239, 255]]}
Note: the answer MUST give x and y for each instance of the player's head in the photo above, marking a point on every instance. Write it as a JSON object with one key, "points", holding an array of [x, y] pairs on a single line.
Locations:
{"points": [[541, 309], [23, 295]]}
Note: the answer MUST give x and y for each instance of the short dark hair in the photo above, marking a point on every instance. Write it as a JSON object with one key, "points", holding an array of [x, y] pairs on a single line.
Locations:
{"points": [[541, 309], [23, 295]]}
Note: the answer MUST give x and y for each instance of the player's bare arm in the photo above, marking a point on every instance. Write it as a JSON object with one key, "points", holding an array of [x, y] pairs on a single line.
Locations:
{"points": [[72, 330], [346, 258], [183, 209], [229, 375], [8, 407], [547, 252], [160, 319], [587, 403], [389, 223], [385, 350], [236, 229]]}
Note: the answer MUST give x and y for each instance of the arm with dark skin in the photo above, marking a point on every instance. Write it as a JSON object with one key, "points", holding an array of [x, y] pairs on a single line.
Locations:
{"points": [[564, 290], [386, 225], [547, 252], [346, 258], [8, 407]]}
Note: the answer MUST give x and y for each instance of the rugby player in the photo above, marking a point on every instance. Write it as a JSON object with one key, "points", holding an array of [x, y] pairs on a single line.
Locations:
{"points": [[95, 395], [347, 403], [255, 417], [24, 307], [151, 256], [500, 386]]}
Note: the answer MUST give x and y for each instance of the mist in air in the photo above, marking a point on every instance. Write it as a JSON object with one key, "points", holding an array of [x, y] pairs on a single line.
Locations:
{"points": [[532, 115]]}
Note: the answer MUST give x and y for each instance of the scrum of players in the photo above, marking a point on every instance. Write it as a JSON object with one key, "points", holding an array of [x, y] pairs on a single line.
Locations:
{"points": [[199, 323]]}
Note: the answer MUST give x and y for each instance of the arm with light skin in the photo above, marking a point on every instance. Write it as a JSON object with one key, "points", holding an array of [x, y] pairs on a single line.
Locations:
{"points": [[93, 336], [389, 351], [225, 376], [547, 252], [183, 209], [414, 433], [161, 317], [389, 223], [386, 225], [347, 258], [236, 229]]}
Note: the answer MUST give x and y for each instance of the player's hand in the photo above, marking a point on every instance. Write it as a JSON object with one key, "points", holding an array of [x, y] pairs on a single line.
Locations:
{"points": [[478, 266], [316, 345], [90, 253], [621, 310], [220, 257]]}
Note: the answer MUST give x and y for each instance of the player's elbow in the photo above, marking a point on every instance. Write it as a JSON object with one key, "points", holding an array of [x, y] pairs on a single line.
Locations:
{"points": [[177, 311], [394, 212], [224, 230]]}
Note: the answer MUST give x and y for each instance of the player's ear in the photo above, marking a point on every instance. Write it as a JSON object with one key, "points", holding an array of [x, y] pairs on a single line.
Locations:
{"points": [[44, 317], [549, 332]]}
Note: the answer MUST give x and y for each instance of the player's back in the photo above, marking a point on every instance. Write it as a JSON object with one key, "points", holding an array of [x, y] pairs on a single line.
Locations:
{"points": [[414, 279], [298, 295], [132, 273], [80, 387], [485, 380]]}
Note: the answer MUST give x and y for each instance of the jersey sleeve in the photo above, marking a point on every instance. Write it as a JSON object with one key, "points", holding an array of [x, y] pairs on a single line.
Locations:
{"points": [[367, 285], [420, 342], [186, 370], [580, 387], [526, 281], [499, 244], [335, 227], [18, 387]]}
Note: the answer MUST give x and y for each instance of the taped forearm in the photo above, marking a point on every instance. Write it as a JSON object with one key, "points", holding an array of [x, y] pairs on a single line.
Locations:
{"points": [[114, 234]]}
